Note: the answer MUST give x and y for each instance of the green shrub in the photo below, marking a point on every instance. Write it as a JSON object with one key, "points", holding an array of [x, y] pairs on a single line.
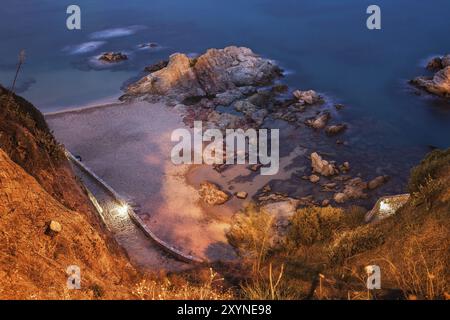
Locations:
{"points": [[428, 169], [317, 224], [51, 146], [352, 242]]}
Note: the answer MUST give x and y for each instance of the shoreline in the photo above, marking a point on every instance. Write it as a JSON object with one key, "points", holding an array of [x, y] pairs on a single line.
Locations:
{"points": [[85, 108]]}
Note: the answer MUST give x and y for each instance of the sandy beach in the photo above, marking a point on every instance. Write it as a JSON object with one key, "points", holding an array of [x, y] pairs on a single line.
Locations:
{"points": [[128, 145]]}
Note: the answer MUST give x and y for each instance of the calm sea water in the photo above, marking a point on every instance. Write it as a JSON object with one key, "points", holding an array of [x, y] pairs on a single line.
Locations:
{"points": [[323, 44]]}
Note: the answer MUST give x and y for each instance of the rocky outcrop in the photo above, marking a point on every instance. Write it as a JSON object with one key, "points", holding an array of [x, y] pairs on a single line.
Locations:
{"points": [[322, 166], [216, 71], [211, 194], [439, 84], [112, 57]]}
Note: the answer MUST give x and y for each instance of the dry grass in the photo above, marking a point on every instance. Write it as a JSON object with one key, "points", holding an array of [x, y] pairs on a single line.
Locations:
{"points": [[165, 289], [253, 235]]}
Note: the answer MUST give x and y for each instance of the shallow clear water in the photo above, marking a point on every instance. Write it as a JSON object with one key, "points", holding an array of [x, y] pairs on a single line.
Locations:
{"points": [[323, 44]]}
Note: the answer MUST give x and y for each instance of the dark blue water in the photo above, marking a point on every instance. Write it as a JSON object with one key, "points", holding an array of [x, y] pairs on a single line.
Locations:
{"points": [[324, 44]]}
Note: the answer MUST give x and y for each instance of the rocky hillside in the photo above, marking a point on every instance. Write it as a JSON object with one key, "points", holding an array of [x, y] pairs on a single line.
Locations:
{"points": [[37, 186]]}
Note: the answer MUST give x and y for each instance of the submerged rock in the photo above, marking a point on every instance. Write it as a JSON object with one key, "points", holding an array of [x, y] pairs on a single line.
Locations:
{"points": [[320, 121], [345, 167], [354, 189], [148, 45], [212, 194], [307, 97], [377, 182], [112, 57], [335, 129]]}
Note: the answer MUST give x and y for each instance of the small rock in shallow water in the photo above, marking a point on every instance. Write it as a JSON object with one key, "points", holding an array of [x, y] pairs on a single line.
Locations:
{"points": [[211, 194], [328, 187], [241, 195], [314, 178], [320, 121], [345, 167], [335, 129], [377, 182], [354, 189], [307, 97], [113, 57], [149, 45], [321, 166], [340, 197]]}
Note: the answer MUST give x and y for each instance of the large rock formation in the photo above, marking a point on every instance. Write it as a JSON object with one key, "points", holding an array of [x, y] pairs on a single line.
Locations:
{"points": [[216, 71], [439, 84]]}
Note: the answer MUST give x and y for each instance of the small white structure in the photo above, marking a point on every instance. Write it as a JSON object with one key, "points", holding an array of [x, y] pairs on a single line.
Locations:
{"points": [[386, 207]]}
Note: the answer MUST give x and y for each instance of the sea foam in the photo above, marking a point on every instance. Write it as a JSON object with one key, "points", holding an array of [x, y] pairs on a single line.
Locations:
{"points": [[84, 47], [116, 32]]}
